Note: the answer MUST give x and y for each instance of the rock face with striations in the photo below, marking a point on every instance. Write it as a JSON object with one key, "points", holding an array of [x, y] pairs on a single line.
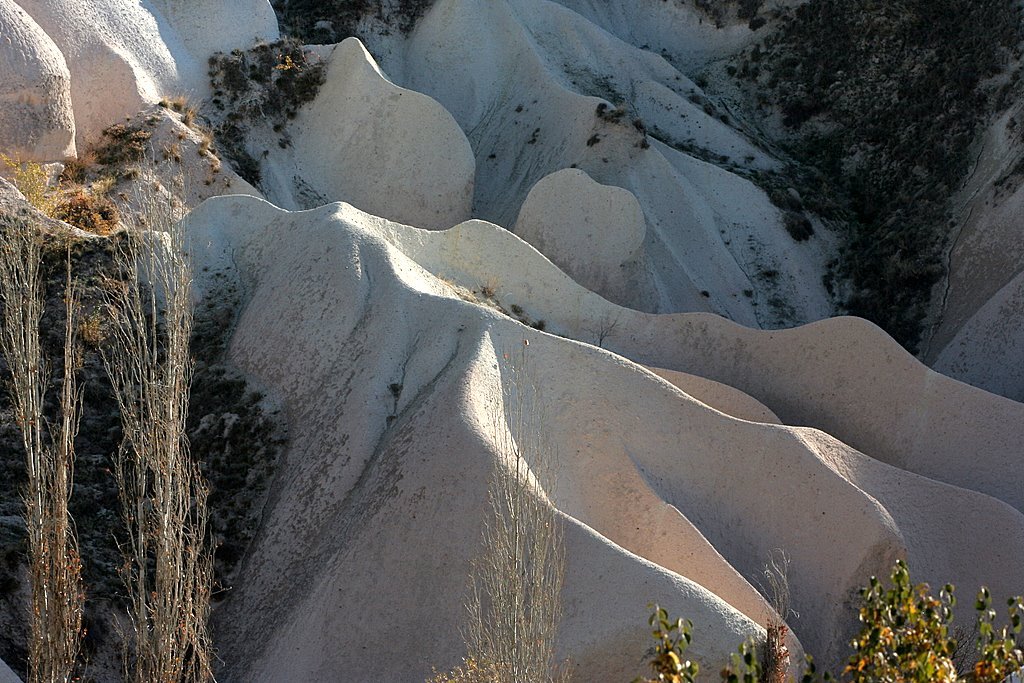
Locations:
{"points": [[36, 118]]}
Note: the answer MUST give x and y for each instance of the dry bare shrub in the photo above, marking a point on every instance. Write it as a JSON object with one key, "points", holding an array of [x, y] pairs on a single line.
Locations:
{"points": [[775, 657], [54, 563], [168, 563], [91, 212], [470, 671], [516, 582]]}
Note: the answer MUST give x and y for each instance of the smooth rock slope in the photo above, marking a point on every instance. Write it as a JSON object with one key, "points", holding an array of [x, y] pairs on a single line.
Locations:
{"points": [[388, 150], [651, 481]]}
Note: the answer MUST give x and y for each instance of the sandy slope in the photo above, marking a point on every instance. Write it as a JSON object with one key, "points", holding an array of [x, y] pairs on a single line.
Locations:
{"points": [[339, 308]]}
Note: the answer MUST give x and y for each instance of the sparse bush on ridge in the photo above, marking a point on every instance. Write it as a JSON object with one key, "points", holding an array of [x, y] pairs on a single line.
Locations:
{"points": [[91, 212], [268, 83]]}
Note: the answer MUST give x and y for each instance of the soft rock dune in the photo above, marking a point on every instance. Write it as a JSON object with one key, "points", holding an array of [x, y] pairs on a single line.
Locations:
{"points": [[593, 232], [36, 120], [843, 375], [123, 55], [988, 351], [390, 151], [978, 334], [368, 494], [378, 505], [524, 79], [719, 396], [208, 26]]}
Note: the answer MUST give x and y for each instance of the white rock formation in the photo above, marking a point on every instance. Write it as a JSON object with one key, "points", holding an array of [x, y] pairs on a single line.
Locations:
{"points": [[8, 676], [594, 232], [209, 26], [125, 55], [36, 119], [988, 349], [121, 56], [978, 337], [341, 306], [390, 151], [525, 78]]}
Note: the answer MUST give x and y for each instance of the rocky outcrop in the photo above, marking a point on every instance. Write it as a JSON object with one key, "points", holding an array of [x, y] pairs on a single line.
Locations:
{"points": [[390, 151], [594, 232], [36, 118]]}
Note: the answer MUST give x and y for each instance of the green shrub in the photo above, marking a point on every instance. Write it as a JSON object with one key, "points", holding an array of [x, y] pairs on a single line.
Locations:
{"points": [[667, 658], [744, 666], [1000, 653], [905, 634], [905, 637]]}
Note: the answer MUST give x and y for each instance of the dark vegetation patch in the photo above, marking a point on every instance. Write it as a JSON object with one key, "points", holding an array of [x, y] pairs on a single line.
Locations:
{"points": [[798, 225], [91, 212], [723, 11], [235, 438], [331, 21], [231, 432], [122, 145], [268, 83], [885, 99]]}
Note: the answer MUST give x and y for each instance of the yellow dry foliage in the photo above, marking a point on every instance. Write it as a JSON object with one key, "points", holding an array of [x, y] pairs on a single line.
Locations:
{"points": [[32, 181]]}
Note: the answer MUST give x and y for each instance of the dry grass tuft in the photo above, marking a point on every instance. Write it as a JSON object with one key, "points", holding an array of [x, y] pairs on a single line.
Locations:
{"points": [[90, 212]]}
